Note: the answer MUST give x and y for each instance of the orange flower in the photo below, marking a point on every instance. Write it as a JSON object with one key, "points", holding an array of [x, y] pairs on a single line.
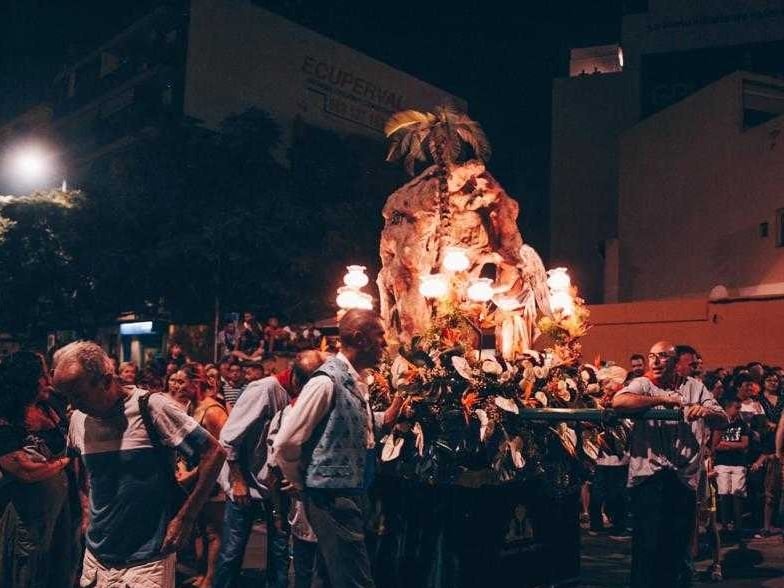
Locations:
{"points": [[470, 398]]}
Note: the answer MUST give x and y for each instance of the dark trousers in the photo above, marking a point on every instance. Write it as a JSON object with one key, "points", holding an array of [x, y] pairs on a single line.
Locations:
{"points": [[609, 490], [338, 519], [664, 510], [237, 525], [304, 554]]}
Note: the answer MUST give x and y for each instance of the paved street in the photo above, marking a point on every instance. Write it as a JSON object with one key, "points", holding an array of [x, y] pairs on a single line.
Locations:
{"points": [[606, 563]]}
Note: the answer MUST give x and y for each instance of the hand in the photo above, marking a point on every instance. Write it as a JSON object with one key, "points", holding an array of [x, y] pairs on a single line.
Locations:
{"points": [[757, 465], [177, 533], [240, 492], [695, 412], [290, 488]]}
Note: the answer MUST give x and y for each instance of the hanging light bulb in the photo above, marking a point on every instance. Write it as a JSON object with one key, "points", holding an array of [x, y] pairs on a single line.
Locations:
{"points": [[480, 290], [355, 277], [433, 286], [558, 279], [456, 259], [562, 302], [348, 298]]}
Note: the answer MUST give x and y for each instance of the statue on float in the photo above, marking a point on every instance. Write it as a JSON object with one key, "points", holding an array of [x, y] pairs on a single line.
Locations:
{"points": [[455, 218]]}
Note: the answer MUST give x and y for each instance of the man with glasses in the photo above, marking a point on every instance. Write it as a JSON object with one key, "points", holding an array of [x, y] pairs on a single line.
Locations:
{"points": [[665, 463]]}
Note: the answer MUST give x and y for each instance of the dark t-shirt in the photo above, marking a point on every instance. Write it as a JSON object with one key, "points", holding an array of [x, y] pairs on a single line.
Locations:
{"points": [[734, 432], [11, 438]]}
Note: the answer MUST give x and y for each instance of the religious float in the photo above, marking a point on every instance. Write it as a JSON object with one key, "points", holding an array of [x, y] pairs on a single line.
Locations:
{"points": [[479, 482]]}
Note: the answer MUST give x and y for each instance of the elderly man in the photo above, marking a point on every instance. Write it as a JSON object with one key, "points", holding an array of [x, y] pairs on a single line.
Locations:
{"points": [[126, 438], [244, 437], [664, 465], [325, 448]]}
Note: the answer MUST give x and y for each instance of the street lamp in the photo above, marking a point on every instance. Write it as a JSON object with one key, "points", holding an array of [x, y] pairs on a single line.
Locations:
{"points": [[30, 166]]}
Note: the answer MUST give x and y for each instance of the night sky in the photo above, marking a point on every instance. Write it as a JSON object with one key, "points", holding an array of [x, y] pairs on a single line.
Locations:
{"points": [[501, 62]]}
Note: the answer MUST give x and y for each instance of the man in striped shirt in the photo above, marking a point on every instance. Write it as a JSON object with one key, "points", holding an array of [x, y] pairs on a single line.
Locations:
{"points": [[135, 524]]}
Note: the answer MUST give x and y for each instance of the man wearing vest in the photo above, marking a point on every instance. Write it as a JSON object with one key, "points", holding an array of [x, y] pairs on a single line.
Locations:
{"points": [[325, 449]]}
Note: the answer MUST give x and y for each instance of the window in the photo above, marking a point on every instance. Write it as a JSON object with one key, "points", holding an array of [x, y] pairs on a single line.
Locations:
{"points": [[761, 103]]}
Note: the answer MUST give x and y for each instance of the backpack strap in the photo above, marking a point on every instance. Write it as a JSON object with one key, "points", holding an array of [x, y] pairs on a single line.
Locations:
{"points": [[144, 411]]}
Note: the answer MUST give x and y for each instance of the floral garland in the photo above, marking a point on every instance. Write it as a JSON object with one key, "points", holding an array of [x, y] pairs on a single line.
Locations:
{"points": [[461, 421]]}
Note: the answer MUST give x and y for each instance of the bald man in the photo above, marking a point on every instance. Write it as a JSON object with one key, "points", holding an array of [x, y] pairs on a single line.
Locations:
{"points": [[664, 467], [325, 449]]}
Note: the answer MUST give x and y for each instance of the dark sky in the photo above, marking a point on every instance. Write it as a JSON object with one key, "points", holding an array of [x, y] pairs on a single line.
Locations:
{"points": [[500, 60]]}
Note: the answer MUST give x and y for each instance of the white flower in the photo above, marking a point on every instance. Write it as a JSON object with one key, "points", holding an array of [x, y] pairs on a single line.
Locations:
{"points": [[492, 367], [486, 425], [506, 404], [461, 367], [399, 368]]}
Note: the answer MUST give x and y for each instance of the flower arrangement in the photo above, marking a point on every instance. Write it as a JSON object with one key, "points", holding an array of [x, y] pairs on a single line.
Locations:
{"points": [[462, 415]]}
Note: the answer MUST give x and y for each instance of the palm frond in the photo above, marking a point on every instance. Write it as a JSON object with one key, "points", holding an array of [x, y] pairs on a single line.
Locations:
{"points": [[473, 135], [405, 118]]}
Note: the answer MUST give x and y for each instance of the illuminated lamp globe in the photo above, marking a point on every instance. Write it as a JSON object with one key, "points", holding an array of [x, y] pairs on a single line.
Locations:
{"points": [[364, 301], [456, 259], [558, 279], [355, 277], [480, 290], [433, 286], [348, 298], [562, 302]]}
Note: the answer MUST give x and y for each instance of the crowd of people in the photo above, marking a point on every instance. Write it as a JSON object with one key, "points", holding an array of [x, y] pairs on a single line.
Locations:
{"points": [[721, 478], [111, 476]]}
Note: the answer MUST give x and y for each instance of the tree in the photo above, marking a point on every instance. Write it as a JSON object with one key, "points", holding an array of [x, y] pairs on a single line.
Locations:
{"points": [[442, 136]]}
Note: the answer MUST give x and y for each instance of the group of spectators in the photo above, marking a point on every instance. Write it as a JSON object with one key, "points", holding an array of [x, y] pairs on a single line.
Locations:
{"points": [[91, 494], [732, 464], [249, 339]]}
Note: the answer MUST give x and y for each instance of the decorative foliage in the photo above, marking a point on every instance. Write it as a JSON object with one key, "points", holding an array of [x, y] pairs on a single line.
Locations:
{"points": [[466, 408]]}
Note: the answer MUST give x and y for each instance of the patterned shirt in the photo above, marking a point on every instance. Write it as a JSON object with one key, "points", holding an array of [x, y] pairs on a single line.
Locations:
{"points": [[666, 445]]}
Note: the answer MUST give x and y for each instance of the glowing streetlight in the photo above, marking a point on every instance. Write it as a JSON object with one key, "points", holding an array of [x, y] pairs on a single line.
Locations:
{"points": [[30, 165]]}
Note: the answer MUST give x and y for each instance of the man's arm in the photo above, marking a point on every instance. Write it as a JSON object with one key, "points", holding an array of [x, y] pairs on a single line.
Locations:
{"points": [[251, 406], [743, 444], [633, 398], [211, 458], [313, 404], [23, 467]]}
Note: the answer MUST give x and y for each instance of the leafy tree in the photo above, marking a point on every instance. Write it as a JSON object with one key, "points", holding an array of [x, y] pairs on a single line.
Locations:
{"points": [[440, 136]]}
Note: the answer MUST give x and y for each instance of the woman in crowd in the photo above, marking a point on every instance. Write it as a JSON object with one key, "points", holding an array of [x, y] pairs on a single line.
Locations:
{"points": [[36, 525], [214, 387], [197, 395], [128, 373]]}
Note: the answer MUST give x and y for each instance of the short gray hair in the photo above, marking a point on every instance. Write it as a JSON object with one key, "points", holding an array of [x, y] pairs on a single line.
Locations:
{"points": [[88, 355]]}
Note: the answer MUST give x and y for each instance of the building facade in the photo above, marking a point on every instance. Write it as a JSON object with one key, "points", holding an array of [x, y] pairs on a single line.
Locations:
{"points": [[202, 61], [668, 50]]}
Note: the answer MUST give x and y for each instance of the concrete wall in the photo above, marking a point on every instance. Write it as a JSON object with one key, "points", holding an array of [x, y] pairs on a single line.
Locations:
{"points": [[240, 55], [694, 188], [588, 114], [726, 334]]}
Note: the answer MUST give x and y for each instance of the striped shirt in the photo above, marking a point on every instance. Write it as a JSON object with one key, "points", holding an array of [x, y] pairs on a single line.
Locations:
{"points": [[132, 497]]}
